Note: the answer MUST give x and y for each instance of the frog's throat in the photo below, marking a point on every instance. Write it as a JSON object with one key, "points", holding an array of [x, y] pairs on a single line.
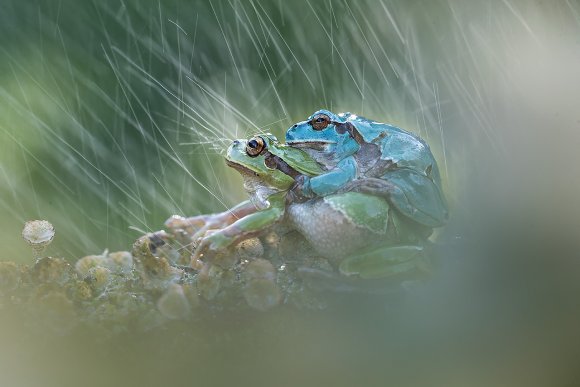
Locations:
{"points": [[240, 168]]}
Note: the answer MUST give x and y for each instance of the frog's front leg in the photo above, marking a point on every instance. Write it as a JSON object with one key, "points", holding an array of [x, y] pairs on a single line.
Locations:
{"points": [[239, 230], [405, 262], [326, 184], [200, 224]]}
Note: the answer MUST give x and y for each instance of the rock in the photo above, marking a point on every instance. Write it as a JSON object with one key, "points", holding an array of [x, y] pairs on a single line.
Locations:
{"points": [[209, 281], [9, 276], [83, 265], [120, 262], [260, 269], [52, 270]]}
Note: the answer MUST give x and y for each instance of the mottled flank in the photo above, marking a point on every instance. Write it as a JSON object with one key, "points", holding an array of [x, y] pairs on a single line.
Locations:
{"points": [[327, 225], [369, 212]]}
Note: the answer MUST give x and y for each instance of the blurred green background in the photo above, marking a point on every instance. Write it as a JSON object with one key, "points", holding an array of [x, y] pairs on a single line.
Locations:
{"points": [[115, 114]]}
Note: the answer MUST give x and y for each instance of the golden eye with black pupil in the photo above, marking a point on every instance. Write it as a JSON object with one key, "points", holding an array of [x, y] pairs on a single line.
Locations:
{"points": [[255, 146], [320, 121]]}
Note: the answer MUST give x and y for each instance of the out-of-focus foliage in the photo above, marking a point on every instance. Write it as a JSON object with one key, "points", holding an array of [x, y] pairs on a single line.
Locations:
{"points": [[114, 113]]}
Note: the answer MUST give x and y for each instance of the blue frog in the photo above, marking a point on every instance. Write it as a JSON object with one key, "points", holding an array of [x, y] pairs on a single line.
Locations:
{"points": [[363, 155]]}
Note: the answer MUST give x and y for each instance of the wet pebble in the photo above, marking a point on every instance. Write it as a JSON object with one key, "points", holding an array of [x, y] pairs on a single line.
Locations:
{"points": [[120, 262], [9, 276], [260, 269], [209, 281], [249, 248], [174, 304], [52, 270], [261, 294], [83, 265], [99, 277]]}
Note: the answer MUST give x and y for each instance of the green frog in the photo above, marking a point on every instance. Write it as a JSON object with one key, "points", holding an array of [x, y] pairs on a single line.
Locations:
{"points": [[361, 234]]}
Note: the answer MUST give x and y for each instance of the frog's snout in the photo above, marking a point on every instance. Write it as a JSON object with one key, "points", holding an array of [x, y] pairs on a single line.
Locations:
{"points": [[231, 148], [290, 133], [236, 144], [294, 132]]}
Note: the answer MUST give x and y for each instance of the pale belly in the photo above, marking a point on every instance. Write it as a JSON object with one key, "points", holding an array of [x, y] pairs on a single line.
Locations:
{"points": [[330, 232]]}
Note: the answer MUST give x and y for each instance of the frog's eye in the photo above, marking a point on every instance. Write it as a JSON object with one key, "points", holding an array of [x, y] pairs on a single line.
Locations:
{"points": [[255, 146], [320, 121]]}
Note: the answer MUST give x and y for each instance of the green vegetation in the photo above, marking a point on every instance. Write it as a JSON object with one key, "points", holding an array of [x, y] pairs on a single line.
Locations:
{"points": [[114, 115]]}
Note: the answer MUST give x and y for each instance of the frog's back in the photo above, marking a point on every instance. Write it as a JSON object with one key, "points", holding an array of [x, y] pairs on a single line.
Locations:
{"points": [[416, 173], [402, 147]]}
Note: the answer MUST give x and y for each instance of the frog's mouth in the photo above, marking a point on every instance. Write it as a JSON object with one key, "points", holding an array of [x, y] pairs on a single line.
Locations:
{"points": [[271, 161], [240, 168], [319, 145]]}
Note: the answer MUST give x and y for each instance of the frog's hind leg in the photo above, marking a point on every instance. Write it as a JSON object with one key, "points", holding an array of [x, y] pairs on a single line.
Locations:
{"points": [[404, 262]]}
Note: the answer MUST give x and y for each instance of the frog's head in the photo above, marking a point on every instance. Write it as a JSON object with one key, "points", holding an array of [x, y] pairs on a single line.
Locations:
{"points": [[323, 133], [268, 167]]}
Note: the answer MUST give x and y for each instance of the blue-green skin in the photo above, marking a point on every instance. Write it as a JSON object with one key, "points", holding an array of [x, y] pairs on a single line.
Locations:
{"points": [[360, 233], [415, 188]]}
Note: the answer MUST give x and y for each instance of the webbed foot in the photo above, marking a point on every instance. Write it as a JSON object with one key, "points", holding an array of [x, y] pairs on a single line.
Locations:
{"points": [[300, 191]]}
